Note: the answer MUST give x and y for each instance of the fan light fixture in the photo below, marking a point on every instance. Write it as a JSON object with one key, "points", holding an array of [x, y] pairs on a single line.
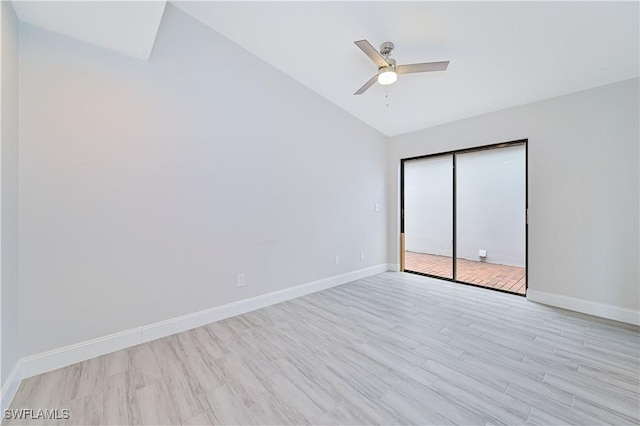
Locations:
{"points": [[387, 75], [387, 69]]}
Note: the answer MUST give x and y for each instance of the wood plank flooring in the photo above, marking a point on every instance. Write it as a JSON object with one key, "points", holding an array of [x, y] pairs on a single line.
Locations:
{"points": [[390, 349]]}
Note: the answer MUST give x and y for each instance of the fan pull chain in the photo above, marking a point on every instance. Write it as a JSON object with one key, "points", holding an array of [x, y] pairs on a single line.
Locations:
{"points": [[386, 97]]}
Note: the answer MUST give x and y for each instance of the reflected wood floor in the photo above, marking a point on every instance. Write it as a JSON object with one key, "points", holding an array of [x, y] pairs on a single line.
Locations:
{"points": [[394, 348], [492, 275]]}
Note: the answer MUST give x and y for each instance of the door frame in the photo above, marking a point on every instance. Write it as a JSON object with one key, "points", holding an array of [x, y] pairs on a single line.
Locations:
{"points": [[453, 154]]}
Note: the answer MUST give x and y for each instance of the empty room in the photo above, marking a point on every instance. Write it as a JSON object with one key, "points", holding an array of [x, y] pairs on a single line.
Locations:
{"points": [[362, 213]]}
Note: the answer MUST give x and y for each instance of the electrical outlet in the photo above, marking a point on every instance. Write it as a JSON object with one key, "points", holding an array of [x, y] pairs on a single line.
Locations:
{"points": [[361, 255], [337, 260], [377, 207], [240, 280]]}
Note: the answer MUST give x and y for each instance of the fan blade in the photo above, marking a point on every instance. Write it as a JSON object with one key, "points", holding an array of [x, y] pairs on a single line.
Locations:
{"points": [[372, 53], [425, 67], [368, 84]]}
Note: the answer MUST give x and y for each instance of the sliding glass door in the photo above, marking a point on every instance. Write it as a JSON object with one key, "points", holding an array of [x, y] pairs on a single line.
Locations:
{"points": [[464, 216], [490, 218], [428, 216]]}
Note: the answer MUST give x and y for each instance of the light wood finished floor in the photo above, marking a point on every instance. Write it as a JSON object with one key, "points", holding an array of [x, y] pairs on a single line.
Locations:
{"points": [[391, 349]]}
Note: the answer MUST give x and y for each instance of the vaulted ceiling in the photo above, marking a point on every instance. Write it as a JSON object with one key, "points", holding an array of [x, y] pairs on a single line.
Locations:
{"points": [[127, 27], [502, 53]]}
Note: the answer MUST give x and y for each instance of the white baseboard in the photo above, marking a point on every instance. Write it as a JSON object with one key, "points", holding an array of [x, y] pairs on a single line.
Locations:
{"points": [[10, 387], [62, 357], [395, 267], [585, 306], [197, 319]]}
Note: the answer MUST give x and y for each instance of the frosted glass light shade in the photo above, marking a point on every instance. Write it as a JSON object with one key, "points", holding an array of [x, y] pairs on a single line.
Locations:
{"points": [[387, 76]]}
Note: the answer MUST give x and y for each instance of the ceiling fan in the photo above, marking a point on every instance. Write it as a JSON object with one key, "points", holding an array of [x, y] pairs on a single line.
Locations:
{"points": [[387, 69]]}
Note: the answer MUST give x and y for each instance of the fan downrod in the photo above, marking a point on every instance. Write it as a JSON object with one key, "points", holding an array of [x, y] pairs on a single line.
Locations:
{"points": [[386, 48]]}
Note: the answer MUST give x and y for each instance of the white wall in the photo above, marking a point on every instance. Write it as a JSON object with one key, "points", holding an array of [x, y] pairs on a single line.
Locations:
{"points": [[583, 188], [490, 192], [147, 186], [428, 205], [9, 289]]}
